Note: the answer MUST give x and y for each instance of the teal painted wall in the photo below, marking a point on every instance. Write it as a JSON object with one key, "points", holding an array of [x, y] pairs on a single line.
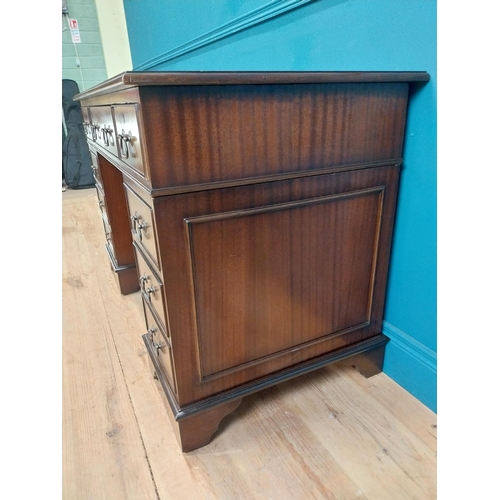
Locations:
{"points": [[335, 35], [92, 69]]}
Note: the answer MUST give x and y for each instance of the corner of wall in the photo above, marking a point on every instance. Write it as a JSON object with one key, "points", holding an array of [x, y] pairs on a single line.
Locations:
{"points": [[412, 365]]}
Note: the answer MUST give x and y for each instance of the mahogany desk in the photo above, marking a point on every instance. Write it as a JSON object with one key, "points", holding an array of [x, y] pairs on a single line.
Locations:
{"points": [[255, 213]]}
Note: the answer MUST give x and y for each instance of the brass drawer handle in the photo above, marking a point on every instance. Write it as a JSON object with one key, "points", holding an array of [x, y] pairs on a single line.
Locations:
{"points": [[143, 280], [151, 333], [133, 219], [107, 135], [138, 225], [156, 345], [150, 291], [124, 139]]}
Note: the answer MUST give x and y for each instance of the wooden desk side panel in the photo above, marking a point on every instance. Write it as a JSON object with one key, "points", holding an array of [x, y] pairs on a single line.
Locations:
{"points": [[238, 311], [203, 134]]}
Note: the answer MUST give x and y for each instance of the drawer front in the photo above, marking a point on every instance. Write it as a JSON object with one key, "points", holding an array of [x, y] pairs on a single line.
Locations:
{"points": [[142, 223], [161, 345], [95, 168], [151, 286], [129, 136], [103, 131]]}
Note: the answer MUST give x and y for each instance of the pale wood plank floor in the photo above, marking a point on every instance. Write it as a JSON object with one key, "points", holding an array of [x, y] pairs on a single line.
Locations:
{"points": [[331, 434]]}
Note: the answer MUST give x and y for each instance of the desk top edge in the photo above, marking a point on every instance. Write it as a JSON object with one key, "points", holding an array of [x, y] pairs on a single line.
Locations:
{"points": [[164, 78]]}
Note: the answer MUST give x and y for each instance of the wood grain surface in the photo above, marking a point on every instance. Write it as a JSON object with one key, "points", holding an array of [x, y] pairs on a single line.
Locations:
{"points": [[201, 135]]}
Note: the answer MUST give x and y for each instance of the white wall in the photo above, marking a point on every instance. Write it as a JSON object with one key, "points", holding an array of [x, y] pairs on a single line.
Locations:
{"points": [[114, 36]]}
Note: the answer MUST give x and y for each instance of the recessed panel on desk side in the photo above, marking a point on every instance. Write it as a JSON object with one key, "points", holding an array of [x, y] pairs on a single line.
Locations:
{"points": [[269, 279]]}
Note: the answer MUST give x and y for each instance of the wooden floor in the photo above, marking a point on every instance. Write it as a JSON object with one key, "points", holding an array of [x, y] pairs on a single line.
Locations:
{"points": [[331, 434]]}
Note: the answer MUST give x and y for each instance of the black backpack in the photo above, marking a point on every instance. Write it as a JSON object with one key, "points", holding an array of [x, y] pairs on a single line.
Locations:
{"points": [[76, 161]]}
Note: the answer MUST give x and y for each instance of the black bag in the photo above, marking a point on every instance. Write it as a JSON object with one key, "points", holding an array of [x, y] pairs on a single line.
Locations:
{"points": [[77, 164]]}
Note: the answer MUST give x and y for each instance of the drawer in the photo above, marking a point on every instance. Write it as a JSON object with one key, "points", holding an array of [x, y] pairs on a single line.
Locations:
{"points": [[129, 136], [161, 345], [95, 168], [151, 285], [103, 131], [142, 223]]}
